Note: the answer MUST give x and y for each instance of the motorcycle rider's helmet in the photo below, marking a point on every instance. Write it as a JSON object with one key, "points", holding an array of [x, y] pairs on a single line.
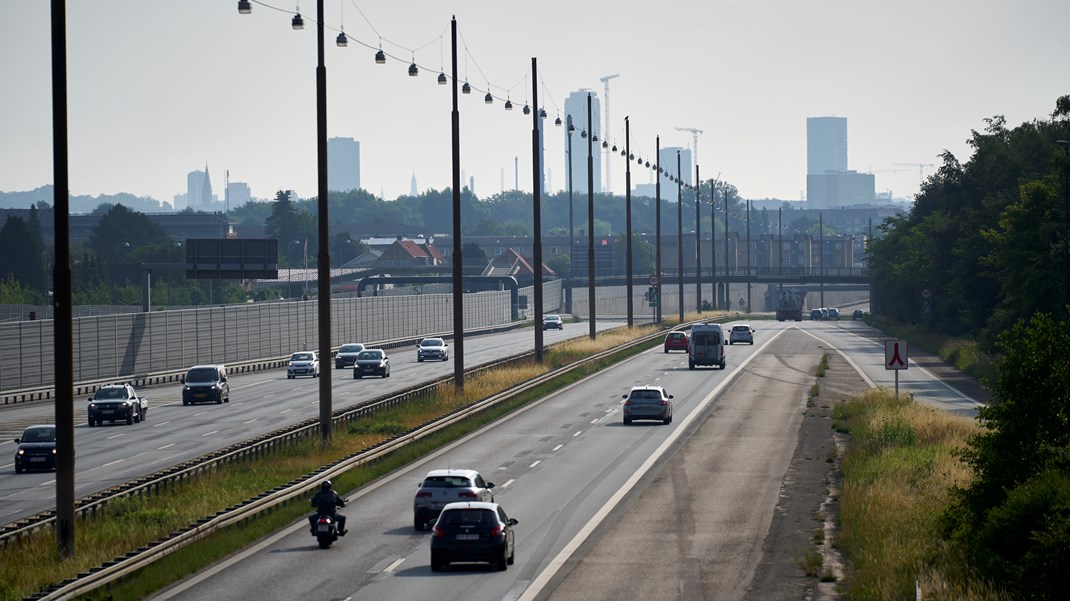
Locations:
{"points": [[326, 485]]}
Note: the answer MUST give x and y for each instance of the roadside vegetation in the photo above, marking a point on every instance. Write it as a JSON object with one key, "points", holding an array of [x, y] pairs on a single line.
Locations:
{"points": [[965, 509], [964, 353], [31, 564]]}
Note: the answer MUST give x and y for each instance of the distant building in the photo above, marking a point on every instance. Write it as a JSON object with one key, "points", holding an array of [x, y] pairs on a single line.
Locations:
{"points": [[238, 194], [199, 190], [826, 145], [343, 164], [829, 183], [576, 109], [412, 185]]}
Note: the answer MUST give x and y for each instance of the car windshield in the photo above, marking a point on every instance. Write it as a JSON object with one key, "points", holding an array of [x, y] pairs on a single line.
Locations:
{"points": [[370, 355], [646, 395], [39, 435], [301, 357], [552, 318], [676, 335], [740, 328], [457, 517], [447, 482], [110, 393], [351, 348], [201, 375], [432, 342]]}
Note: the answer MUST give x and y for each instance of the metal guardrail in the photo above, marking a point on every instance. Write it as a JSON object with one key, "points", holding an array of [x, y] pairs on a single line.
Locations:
{"points": [[249, 509]]}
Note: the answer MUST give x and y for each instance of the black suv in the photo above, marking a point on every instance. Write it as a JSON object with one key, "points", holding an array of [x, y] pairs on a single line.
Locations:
{"points": [[205, 384], [37, 449]]}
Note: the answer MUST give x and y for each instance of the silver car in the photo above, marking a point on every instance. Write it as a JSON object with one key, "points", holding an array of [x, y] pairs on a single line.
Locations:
{"points": [[304, 363], [741, 333], [647, 402], [432, 348], [442, 487]]}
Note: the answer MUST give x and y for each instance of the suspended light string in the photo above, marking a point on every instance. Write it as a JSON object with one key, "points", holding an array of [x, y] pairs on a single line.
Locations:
{"points": [[638, 150]]}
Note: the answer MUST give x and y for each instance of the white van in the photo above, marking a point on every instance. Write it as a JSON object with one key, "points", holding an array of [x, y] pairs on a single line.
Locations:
{"points": [[706, 346]]}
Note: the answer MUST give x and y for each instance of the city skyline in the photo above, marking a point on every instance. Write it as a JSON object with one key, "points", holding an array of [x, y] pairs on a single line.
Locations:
{"points": [[151, 102]]}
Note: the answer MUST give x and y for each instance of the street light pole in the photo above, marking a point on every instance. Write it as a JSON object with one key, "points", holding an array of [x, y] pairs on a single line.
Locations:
{"points": [[323, 268], [679, 238], [568, 285], [657, 227], [590, 218], [698, 242], [537, 207], [628, 215], [458, 263]]}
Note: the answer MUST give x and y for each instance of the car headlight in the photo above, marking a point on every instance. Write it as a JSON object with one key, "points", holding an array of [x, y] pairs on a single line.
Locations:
{"points": [[53, 450], [21, 452], [92, 405]]}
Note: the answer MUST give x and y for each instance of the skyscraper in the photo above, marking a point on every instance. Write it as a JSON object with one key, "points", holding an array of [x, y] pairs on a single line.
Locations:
{"points": [[576, 107], [826, 144], [199, 190], [343, 164]]}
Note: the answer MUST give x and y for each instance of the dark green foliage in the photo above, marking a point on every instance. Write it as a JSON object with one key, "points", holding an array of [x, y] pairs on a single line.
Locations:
{"points": [[985, 237], [1013, 521], [22, 256]]}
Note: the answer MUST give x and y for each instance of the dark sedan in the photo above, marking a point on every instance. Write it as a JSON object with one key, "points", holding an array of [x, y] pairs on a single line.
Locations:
{"points": [[37, 449], [372, 362], [473, 532]]}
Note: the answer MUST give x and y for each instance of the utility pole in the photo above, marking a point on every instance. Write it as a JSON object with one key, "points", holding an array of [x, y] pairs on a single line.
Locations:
{"points": [[605, 130]]}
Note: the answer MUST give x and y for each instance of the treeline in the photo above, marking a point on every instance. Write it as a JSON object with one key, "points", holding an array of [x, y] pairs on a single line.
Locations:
{"points": [[983, 255]]}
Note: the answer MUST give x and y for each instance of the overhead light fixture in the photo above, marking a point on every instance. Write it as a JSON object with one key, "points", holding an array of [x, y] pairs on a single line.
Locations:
{"points": [[614, 149], [441, 78], [466, 89], [342, 40], [244, 7], [508, 104], [583, 134], [571, 127], [606, 144], [527, 110], [298, 22], [413, 71], [488, 98], [380, 56]]}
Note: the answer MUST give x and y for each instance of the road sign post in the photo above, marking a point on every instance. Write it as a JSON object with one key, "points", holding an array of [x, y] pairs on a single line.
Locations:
{"points": [[895, 359]]}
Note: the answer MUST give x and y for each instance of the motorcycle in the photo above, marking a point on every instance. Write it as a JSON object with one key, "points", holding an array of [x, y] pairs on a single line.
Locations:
{"points": [[326, 531]]}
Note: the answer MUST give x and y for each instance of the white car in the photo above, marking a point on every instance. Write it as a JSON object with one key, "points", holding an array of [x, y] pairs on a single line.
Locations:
{"points": [[552, 322], [741, 333], [303, 363], [432, 348]]}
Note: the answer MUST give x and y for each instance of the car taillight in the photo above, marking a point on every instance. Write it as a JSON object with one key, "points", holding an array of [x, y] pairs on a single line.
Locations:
{"points": [[496, 532], [438, 532], [423, 495], [663, 403], [468, 495]]}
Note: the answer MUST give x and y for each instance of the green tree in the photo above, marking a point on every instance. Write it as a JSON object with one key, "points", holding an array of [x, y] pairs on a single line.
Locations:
{"points": [[1013, 520], [642, 255], [13, 292], [20, 258]]}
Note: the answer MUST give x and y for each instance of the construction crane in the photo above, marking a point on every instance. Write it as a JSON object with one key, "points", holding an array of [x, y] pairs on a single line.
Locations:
{"points": [[921, 169], [606, 130], [694, 134]]}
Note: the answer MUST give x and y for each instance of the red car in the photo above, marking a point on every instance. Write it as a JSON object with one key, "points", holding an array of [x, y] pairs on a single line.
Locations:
{"points": [[676, 341]]}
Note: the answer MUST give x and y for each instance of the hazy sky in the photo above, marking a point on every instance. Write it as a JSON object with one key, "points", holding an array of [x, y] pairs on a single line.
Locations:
{"points": [[158, 89]]}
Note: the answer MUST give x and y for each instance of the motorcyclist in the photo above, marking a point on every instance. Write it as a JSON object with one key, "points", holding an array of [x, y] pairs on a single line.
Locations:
{"points": [[325, 501]]}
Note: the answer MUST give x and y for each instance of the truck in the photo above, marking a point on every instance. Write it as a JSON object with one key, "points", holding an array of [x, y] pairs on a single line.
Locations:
{"points": [[117, 402], [789, 304]]}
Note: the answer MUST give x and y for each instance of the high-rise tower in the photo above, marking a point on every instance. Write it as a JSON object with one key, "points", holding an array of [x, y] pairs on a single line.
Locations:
{"points": [[576, 107], [343, 164]]}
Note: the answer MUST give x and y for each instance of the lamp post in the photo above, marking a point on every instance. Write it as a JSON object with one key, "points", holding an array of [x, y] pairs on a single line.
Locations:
{"points": [[458, 264], [1066, 221], [568, 284], [679, 238], [657, 227], [698, 243], [628, 215], [323, 268], [537, 209], [590, 219]]}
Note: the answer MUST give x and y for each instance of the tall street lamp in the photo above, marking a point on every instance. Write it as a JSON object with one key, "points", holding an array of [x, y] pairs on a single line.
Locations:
{"points": [[657, 227], [1066, 221], [628, 215], [679, 237], [536, 170], [323, 269], [590, 218], [698, 242], [568, 284]]}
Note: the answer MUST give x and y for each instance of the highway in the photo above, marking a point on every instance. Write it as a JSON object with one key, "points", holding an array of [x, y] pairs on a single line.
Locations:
{"points": [[568, 470], [260, 402]]}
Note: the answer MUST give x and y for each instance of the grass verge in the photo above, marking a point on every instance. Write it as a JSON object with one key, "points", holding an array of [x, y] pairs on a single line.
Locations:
{"points": [[963, 353], [31, 564], [898, 469]]}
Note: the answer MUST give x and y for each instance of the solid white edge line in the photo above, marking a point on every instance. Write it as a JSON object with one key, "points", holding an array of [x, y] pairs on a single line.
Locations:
{"points": [[555, 564]]}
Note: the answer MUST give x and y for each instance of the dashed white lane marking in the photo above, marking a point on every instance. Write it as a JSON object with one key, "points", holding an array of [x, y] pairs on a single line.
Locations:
{"points": [[114, 436], [210, 433], [165, 446], [201, 413], [594, 421], [286, 411], [249, 421], [557, 448], [577, 434], [534, 464], [508, 482], [160, 424]]}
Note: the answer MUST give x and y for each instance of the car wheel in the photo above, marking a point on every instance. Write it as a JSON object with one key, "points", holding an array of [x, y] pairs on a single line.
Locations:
{"points": [[436, 563], [691, 365], [18, 470], [357, 376], [418, 524], [185, 402], [666, 350], [419, 359], [219, 401], [627, 420], [503, 561], [512, 557], [130, 419], [91, 424], [144, 414], [446, 358]]}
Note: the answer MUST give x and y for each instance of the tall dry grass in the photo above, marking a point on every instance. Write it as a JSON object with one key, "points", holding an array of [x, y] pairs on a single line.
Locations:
{"points": [[898, 471]]}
